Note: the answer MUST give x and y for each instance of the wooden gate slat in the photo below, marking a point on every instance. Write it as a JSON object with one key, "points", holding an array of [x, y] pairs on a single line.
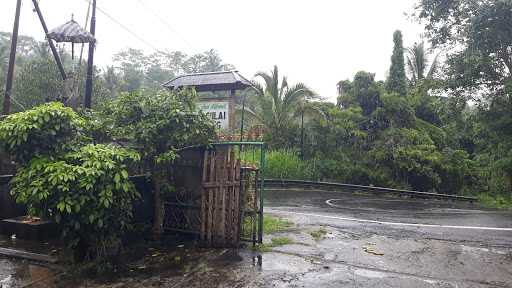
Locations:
{"points": [[211, 193], [221, 209]]}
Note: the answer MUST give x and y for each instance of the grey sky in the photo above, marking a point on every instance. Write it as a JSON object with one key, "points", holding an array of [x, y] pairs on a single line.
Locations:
{"points": [[317, 42]]}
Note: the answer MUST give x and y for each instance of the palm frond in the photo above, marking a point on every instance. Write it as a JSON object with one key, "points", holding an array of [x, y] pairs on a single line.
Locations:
{"points": [[433, 66]]}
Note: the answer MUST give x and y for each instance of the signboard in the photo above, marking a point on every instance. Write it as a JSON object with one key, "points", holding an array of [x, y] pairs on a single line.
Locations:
{"points": [[218, 111]]}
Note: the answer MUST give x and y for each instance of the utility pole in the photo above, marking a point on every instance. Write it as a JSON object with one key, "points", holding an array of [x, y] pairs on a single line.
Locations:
{"points": [[50, 42], [90, 61], [12, 61]]}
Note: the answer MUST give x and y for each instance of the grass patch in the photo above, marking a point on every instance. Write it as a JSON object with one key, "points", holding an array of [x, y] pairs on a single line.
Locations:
{"points": [[270, 225], [498, 202], [275, 242], [274, 225], [281, 241], [318, 234]]}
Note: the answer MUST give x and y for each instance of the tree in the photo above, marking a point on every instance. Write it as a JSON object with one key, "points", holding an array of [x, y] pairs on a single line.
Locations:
{"points": [[277, 105], [418, 62], [479, 31], [112, 80], [477, 37], [213, 62], [158, 125], [363, 92], [397, 81]]}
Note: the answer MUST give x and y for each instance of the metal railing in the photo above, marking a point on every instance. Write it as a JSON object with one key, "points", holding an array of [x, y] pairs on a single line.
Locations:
{"points": [[284, 183]]}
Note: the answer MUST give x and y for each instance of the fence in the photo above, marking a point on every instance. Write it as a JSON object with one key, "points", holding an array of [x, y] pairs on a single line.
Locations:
{"points": [[217, 194]]}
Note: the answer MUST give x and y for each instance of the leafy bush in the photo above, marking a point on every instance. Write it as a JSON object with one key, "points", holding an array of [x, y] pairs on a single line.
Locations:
{"points": [[158, 124], [286, 164], [45, 130], [88, 192], [83, 187], [498, 201], [353, 172]]}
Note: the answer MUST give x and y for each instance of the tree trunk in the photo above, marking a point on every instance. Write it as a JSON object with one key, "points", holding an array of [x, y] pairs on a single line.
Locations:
{"points": [[157, 178]]}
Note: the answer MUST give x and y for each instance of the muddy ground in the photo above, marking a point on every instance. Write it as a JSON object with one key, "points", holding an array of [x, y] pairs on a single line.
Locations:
{"points": [[337, 240]]}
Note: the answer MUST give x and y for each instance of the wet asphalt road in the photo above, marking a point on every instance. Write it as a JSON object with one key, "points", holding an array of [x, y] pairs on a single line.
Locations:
{"points": [[425, 243]]}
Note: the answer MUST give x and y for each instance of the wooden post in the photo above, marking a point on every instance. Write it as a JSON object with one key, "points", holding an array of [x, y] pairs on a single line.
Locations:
{"points": [[12, 61], [50, 42], [90, 61]]}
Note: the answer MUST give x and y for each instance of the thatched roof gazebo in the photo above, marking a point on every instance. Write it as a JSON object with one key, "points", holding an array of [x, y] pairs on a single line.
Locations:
{"points": [[71, 32]]}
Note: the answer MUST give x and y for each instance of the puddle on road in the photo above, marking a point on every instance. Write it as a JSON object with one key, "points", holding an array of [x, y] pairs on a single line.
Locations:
{"points": [[17, 273], [370, 273]]}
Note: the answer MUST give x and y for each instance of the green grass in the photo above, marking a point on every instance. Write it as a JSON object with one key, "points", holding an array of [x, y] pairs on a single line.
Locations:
{"points": [[275, 225], [281, 241], [270, 225], [498, 202], [275, 242], [318, 234]]}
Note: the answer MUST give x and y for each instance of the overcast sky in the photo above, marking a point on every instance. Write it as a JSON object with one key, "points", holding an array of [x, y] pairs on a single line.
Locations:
{"points": [[316, 42]]}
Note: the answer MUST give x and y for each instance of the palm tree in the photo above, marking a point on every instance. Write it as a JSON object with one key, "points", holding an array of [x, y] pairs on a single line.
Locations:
{"points": [[277, 104], [417, 62]]}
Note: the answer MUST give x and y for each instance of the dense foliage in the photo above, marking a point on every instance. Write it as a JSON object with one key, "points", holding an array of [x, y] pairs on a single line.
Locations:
{"points": [[397, 82], [158, 125], [439, 122], [61, 176], [46, 130], [87, 192]]}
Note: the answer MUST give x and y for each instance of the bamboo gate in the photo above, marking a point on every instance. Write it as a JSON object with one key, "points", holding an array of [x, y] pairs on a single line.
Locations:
{"points": [[218, 194]]}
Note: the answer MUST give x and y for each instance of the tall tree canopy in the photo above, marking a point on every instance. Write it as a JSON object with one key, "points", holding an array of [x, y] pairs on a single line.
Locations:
{"points": [[397, 81]]}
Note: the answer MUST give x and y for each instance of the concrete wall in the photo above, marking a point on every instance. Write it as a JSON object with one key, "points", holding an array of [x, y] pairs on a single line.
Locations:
{"points": [[8, 207]]}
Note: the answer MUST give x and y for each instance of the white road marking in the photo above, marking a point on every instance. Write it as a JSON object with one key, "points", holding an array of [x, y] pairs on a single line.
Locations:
{"points": [[396, 223]]}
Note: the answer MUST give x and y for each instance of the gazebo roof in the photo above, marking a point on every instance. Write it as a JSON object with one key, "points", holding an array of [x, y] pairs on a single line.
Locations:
{"points": [[71, 32], [212, 81]]}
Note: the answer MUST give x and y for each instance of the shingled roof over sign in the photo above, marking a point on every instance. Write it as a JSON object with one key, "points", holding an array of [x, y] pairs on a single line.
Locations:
{"points": [[212, 81]]}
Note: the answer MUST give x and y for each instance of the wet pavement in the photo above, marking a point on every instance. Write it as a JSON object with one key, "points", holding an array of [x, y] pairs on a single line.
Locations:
{"points": [[425, 243], [24, 273], [338, 240]]}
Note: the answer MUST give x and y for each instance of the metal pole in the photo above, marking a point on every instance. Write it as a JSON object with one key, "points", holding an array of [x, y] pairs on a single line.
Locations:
{"points": [[262, 193], [302, 134], [50, 42], [242, 120], [12, 61], [90, 61]]}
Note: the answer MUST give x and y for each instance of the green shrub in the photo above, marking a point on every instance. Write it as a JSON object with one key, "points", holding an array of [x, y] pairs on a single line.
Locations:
{"points": [[158, 124], [45, 130], [87, 192], [83, 187], [498, 201], [286, 164]]}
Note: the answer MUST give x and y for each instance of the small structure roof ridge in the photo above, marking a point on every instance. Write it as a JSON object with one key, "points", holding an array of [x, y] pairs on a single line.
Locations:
{"points": [[235, 79]]}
